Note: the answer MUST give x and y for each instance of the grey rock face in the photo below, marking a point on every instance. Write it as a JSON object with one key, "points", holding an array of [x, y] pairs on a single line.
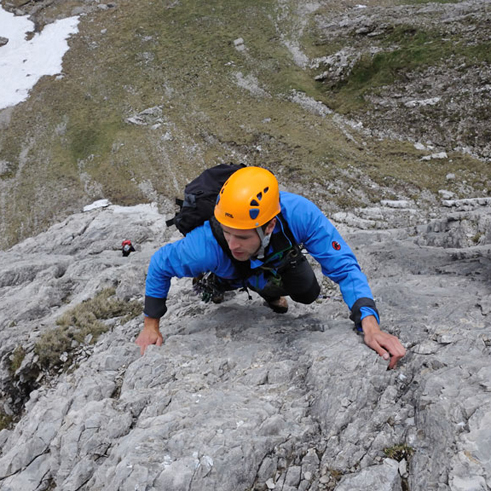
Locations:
{"points": [[239, 398]]}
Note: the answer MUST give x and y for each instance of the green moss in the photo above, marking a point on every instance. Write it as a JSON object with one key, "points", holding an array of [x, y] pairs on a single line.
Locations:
{"points": [[81, 323]]}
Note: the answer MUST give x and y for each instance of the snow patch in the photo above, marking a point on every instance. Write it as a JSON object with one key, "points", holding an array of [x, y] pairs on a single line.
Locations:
{"points": [[23, 62], [101, 203]]}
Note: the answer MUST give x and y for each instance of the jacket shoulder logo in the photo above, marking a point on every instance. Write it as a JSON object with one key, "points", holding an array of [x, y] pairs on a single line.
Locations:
{"points": [[336, 245]]}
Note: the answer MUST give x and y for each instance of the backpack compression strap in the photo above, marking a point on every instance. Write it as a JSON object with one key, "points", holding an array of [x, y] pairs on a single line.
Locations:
{"points": [[172, 221]]}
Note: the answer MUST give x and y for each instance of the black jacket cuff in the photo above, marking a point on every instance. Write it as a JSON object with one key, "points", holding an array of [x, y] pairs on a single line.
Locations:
{"points": [[355, 315], [155, 307]]}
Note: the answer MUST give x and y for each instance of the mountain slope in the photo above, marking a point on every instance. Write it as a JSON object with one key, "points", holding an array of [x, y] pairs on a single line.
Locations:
{"points": [[153, 92]]}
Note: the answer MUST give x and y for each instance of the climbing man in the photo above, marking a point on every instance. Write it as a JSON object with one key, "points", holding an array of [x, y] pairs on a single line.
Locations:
{"points": [[127, 248], [254, 241]]}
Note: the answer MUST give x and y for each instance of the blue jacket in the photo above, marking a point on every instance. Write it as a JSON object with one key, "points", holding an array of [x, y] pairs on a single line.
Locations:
{"points": [[199, 252]]}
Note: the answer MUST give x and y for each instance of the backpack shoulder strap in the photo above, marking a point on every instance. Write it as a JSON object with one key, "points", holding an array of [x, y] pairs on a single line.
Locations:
{"points": [[285, 241], [288, 231]]}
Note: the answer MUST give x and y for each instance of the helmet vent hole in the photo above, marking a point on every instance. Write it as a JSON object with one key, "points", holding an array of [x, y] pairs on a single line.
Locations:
{"points": [[253, 213], [254, 203], [266, 190], [260, 196]]}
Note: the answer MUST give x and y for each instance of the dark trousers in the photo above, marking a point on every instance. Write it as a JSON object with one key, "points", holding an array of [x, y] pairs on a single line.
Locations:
{"points": [[296, 279]]}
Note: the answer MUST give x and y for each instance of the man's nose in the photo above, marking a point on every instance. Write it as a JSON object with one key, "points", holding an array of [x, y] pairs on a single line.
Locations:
{"points": [[232, 243]]}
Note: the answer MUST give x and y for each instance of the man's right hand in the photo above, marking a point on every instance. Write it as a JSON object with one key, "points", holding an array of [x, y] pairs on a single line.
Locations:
{"points": [[150, 334]]}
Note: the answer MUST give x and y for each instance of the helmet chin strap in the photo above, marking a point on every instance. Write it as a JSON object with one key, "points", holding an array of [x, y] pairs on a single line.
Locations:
{"points": [[264, 242]]}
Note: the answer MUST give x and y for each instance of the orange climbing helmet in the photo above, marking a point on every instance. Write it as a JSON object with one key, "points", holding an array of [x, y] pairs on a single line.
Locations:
{"points": [[248, 199]]}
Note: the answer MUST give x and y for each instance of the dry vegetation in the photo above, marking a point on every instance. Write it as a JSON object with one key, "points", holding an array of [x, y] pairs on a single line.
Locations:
{"points": [[71, 142]]}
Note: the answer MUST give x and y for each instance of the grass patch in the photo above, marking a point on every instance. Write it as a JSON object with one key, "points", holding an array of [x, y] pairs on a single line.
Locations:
{"points": [[405, 49], [89, 140], [424, 2], [82, 325], [16, 359], [399, 452], [5, 421], [399, 167]]}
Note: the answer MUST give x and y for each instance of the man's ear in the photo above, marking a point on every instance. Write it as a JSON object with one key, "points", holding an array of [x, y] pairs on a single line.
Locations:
{"points": [[270, 227]]}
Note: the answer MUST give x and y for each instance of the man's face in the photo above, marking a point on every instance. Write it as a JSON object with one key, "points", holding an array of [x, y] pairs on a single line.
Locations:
{"points": [[245, 243], [242, 243]]}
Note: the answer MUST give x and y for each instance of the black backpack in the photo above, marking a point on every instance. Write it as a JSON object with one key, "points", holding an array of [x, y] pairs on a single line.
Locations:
{"points": [[198, 206], [200, 196]]}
